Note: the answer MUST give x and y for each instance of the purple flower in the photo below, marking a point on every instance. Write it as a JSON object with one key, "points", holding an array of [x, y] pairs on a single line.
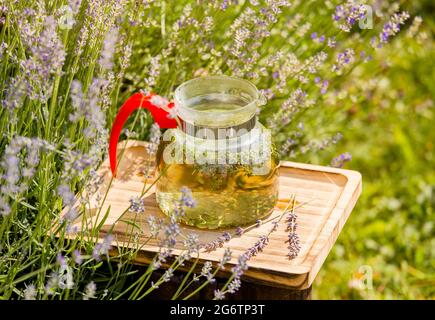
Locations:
{"points": [[14, 95], [187, 198], [217, 243], [392, 27], [293, 238], [46, 59], [30, 292], [314, 35], [60, 260], [239, 231], [219, 295], [15, 174], [224, 4], [293, 245], [65, 193], [90, 291], [225, 258], [192, 242], [206, 272], [91, 107], [332, 42], [338, 162], [102, 248], [5, 208], [324, 87], [74, 5], [137, 205], [343, 58], [155, 225], [106, 59], [78, 259], [234, 285], [348, 14]]}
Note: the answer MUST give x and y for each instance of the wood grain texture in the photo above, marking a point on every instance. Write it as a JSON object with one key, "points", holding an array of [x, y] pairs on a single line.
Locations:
{"points": [[331, 195]]}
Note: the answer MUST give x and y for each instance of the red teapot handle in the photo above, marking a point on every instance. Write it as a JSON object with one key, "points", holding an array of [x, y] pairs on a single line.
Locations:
{"points": [[136, 101]]}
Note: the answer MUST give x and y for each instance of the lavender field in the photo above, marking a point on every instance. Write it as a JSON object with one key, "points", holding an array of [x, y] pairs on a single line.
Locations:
{"points": [[348, 84]]}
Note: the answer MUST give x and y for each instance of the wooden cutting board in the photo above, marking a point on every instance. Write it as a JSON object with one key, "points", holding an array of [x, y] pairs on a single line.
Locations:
{"points": [[329, 193]]}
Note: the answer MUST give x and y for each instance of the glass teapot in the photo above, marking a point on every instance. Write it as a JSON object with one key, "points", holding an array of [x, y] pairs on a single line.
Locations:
{"points": [[214, 146]]}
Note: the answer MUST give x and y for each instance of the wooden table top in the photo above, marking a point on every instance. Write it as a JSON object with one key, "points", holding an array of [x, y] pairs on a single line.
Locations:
{"points": [[329, 195]]}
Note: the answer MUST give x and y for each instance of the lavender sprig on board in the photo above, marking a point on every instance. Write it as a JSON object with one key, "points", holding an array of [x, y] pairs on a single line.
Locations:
{"points": [[293, 238], [242, 265]]}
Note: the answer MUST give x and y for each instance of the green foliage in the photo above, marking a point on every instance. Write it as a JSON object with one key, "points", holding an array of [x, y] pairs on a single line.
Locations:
{"points": [[391, 138]]}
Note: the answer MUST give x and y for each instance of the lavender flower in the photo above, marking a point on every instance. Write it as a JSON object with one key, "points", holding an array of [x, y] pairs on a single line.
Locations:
{"points": [[48, 56], [332, 42], [217, 243], [52, 284], [102, 248], [137, 205], [65, 193], [293, 245], [65, 277], [30, 292], [155, 225], [343, 58], [14, 95], [91, 106], [347, 14], [338, 162], [234, 285], [239, 231], [191, 242], [60, 260], [186, 198], [154, 139], [225, 258], [5, 208], [168, 275], [172, 229], [74, 5], [153, 72], [293, 238], [10, 181], [90, 291], [206, 272], [242, 265], [78, 259], [219, 295], [324, 87], [106, 59], [392, 27], [248, 31]]}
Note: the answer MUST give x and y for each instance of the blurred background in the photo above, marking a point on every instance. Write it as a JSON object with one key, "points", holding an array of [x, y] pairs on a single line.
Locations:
{"points": [[387, 248]]}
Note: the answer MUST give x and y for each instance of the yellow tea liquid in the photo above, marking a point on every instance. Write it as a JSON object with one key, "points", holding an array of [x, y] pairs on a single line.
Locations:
{"points": [[226, 195]]}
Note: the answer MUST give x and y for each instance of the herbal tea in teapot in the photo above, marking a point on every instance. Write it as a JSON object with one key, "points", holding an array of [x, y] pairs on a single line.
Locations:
{"points": [[218, 150]]}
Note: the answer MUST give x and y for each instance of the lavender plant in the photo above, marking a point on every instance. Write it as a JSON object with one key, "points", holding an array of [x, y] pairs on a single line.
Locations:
{"points": [[66, 66]]}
